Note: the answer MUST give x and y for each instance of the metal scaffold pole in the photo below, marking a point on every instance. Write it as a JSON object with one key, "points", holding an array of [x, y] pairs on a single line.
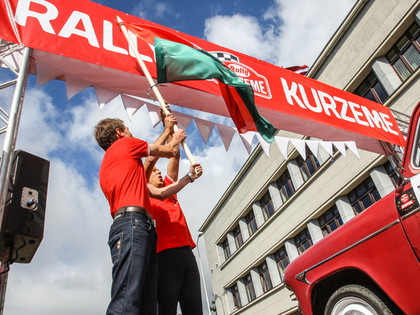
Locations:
{"points": [[7, 156]]}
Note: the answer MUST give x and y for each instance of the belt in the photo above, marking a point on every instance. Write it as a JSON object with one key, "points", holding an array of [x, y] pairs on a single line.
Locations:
{"points": [[123, 210]]}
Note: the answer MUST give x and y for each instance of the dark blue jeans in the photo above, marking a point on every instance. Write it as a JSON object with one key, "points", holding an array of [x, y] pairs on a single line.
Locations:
{"points": [[179, 281], [132, 241]]}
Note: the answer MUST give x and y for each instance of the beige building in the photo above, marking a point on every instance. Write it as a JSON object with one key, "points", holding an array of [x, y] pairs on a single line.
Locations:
{"points": [[275, 208]]}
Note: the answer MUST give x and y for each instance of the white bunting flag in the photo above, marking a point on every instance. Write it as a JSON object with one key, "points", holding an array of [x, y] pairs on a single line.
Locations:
{"points": [[300, 146], [131, 105], [247, 139], [340, 147], [204, 127], [104, 96], [264, 144], [226, 133]]}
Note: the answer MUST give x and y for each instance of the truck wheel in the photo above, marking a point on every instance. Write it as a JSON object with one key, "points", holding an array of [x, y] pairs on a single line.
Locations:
{"points": [[355, 299]]}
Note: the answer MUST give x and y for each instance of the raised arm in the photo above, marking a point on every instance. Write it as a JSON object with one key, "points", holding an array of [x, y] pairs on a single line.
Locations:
{"points": [[169, 122], [173, 167], [170, 149], [174, 188]]}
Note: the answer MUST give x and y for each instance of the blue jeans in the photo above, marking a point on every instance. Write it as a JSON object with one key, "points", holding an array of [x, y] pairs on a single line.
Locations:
{"points": [[132, 241]]}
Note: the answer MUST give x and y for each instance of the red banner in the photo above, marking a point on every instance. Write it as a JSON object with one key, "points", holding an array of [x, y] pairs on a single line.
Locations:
{"points": [[80, 40]]}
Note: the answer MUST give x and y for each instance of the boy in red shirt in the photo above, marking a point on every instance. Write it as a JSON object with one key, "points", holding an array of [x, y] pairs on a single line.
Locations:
{"points": [[178, 275]]}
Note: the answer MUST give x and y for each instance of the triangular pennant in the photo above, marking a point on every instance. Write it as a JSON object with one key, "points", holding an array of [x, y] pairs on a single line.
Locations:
{"points": [[328, 147], [340, 147], [352, 146], [226, 133], [104, 96], [46, 73], [264, 144], [154, 113], [204, 127], [183, 121], [247, 139], [131, 105], [74, 86], [313, 145], [283, 145], [300, 147]]}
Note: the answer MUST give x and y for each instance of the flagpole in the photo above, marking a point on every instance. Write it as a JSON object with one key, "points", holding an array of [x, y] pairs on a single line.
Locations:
{"points": [[152, 84]]}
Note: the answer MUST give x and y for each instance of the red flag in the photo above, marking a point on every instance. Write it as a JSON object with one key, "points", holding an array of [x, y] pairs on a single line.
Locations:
{"points": [[299, 69]]}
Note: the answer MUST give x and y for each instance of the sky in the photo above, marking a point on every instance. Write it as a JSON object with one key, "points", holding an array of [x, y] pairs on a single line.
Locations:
{"points": [[71, 270]]}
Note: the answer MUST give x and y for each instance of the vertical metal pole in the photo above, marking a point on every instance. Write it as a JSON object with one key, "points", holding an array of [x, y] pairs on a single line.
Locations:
{"points": [[7, 154]]}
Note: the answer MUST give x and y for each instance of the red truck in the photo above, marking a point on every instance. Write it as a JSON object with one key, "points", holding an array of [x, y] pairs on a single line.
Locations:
{"points": [[371, 264]]}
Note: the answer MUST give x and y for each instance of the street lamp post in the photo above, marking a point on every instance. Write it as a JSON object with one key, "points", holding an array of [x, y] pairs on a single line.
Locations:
{"points": [[202, 273]]}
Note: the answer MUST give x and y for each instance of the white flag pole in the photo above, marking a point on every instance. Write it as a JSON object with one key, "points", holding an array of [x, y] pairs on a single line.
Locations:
{"points": [[152, 84]]}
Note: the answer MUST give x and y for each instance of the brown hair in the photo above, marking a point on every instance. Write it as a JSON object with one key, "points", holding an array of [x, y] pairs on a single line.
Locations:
{"points": [[105, 131]]}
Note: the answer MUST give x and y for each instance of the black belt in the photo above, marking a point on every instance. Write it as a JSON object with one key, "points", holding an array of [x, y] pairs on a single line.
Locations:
{"points": [[121, 211]]}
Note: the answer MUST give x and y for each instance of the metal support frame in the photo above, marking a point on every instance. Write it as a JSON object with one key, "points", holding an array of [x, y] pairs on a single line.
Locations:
{"points": [[11, 130], [403, 121], [393, 152]]}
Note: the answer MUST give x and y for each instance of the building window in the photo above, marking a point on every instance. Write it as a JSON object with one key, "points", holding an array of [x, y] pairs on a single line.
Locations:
{"points": [[405, 54], [285, 185], [309, 166], [330, 221], [226, 249], [251, 223], [282, 260], [249, 288], [236, 298], [265, 277], [392, 173], [363, 196], [303, 241], [267, 206], [238, 237], [372, 89]]}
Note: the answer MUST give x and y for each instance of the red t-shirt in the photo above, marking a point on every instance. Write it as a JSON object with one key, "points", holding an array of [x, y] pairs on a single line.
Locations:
{"points": [[171, 226], [122, 177]]}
